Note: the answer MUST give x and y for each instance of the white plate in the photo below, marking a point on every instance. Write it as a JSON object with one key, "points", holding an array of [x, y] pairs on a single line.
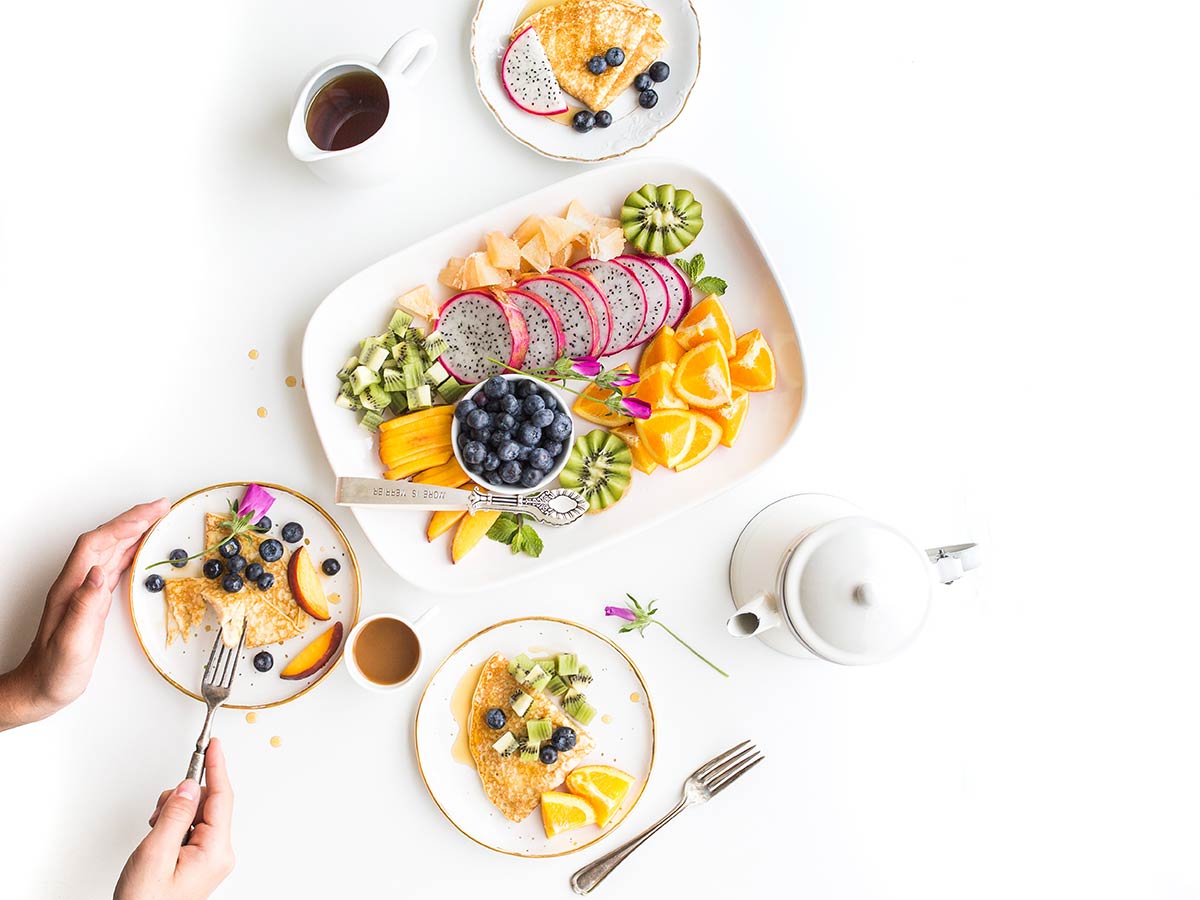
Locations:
{"points": [[625, 740], [362, 306], [182, 664], [632, 126]]}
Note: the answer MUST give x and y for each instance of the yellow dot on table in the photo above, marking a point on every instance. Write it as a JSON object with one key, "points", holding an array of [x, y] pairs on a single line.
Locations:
{"points": [[635, 697], [276, 741], [253, 354], [262, 412], [251, 717], [290, 381], [606, 719]]}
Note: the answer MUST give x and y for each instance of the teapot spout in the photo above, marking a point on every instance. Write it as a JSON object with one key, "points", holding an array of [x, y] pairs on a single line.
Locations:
{"points": [[759, 615]]}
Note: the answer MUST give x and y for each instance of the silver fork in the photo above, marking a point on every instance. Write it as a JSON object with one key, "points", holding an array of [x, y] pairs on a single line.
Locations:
{"points": [[702, 785], [215, 691]]}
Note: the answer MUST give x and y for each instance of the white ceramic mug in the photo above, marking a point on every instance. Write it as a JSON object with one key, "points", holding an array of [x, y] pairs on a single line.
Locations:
{"points": [[352, 662], [382, 155]]}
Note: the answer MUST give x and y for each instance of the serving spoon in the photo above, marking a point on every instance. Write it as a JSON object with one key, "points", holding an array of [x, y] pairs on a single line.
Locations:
{"points": [[557, 506]]}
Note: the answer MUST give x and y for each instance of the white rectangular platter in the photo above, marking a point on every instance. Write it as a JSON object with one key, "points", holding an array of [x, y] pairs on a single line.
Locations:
{"points": [[362, 305]]}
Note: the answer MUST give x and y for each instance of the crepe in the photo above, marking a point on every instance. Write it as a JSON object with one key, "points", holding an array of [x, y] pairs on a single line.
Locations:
{"points": [[184, 603], [574, 31], [515, 787]]}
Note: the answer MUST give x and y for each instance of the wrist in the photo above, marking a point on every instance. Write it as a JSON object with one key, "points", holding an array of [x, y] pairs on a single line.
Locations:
{"points": [[20, 701]]}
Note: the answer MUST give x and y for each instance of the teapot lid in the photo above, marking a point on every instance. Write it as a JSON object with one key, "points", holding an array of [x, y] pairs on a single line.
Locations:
{"points": [[856, 591]]}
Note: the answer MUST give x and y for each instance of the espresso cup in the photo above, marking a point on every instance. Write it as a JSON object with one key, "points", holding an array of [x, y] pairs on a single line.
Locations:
{"points": [[383, 651]]}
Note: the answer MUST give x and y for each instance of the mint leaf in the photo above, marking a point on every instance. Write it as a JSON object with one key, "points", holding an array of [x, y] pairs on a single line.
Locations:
{"points": [[693, 267], [711, 285], [531, 541], [517, 541], [503, 529]]}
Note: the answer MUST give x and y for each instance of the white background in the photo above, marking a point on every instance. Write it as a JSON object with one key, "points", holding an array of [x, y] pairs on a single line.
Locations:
{"points": [[986, 214]]}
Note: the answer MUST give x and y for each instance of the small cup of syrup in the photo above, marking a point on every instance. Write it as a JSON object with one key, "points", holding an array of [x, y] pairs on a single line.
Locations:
{"points": [[383, 652], [348, 122]]}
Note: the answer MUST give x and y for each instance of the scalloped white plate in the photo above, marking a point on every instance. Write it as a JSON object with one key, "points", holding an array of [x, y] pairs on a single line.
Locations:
{"points": [[632, 126]]}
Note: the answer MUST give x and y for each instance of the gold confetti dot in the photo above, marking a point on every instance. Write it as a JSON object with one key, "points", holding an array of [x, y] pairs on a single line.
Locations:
{"points": [[606, 719], [262, 412], [276, 741], [635, 697], [290, 381], [251, 717], [253, 354]]}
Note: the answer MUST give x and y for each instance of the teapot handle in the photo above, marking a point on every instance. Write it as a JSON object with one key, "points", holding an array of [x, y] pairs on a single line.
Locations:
{"points": [[411, 56], [953, 561]]}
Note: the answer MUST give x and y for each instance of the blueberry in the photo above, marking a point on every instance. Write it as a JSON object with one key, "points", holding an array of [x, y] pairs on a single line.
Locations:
{"points": [[523, 452], [584, 121], [473, 453], [479, 418], [463, 439], [529, 435], [643, 82], [331, 566], [462, 410], [495, 718], [564, 419], [230, 548], [596, 65], [266, 581], [178, 558], [155, 583], [263, 661], [542, 418], [231, 583], [212, 569], [235, 564], [479, 398], [548, 755], [270, 550], [505, 422], [493, 406], [548, 399], [603, 118], [263, 525], [509, 404], [553, 448], [648, 98], [563, 739], [291, 532], [510, 472], [253, 571], [660, 71], [507, 451], [495, 387], [541, 460], [531, 477], [615, 56], [525, 388], [498, 438], [483, 435], [491, 462], [532, 404]]}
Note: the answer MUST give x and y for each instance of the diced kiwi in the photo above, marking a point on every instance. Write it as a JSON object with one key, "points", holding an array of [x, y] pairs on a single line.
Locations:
{"points": [[451, 390], [414, 375], [420, 398], [434, 345], [400, 352], [539, 730], [529, 752], [370, 420], [373, 358], [387, 340], [400, 403], [537, 678], [557, 687], [393, 381], [521, 702], [548, 664], [520, 663], [348, 401], [507, 744], [400, 322], [361, 377], [579, 709], [436, 374], [375, 398], [568, 664], [344, 371]]}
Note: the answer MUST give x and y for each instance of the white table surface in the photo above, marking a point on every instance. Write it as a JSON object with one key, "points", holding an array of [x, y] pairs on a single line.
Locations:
{"points": [[987, 217]]}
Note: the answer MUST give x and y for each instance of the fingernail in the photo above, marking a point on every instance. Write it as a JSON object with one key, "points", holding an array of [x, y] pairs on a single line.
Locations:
{"points": [[188, 789], [95, 576]]}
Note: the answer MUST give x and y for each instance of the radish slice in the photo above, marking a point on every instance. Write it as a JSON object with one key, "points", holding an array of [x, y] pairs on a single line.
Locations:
{"points": [[595, 296], [677, 287], [626, 300], [657, 297]]}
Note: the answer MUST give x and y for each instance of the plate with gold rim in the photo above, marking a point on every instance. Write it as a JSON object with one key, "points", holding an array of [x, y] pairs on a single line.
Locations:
{"points": [[182, 663], [624, 731]]}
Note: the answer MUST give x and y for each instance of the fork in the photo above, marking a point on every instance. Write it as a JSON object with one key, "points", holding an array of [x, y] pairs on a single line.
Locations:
{"points": [[215, 691], [701, 786]]}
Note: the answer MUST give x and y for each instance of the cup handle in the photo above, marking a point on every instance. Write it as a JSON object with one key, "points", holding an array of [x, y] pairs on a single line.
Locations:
{"points": [[411, 56]]}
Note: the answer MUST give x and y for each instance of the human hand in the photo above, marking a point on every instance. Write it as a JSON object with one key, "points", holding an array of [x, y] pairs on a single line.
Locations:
{"points": [[163, 867], [59, 663]]}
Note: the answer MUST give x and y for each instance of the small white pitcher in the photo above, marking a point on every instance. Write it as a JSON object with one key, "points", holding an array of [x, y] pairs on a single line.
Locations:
{"points": [[381, 156]]}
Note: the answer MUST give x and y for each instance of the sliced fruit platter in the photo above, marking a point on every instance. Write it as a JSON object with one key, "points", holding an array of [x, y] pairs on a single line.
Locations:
{"points": [[582, 332]]}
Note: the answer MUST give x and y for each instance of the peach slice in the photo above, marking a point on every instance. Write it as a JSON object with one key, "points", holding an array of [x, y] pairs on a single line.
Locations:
{"points": [[470, 532], [306, 585], [313, 658]]}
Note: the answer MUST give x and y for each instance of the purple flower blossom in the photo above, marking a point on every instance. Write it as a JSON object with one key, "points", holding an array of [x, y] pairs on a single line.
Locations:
{"points": [[621, 612], [587, 366], [256, 501], [639, 409], [625, 379]]}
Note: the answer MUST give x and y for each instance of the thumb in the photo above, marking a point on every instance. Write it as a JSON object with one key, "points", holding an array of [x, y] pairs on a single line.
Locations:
{"points": [[83, 621], [175, 818]]}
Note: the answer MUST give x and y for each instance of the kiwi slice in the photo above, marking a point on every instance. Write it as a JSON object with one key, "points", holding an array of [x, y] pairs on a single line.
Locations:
{"points": [[507, 745], [451, 390], [548, 664], [392, 381], [398, 326], [436, 374], [371, 420], [521, 702], [529, 751], [660, 220], [539, 730], [579, 709], [361, 377], [557, 686], [373, 358], [519, 666], [387, 340], [434, 345], [599, 468], [419, 397], [375, 398], [350, 366], [568, 664], [537, 678]]}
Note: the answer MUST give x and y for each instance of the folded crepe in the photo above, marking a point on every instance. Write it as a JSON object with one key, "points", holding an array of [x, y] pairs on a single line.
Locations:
{"points": [[184, 604], [574, 31], [514, 787]]}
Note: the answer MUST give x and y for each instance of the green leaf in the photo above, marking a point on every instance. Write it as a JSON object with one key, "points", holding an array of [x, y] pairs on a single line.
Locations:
{"points": [[531, 541], [517, 542], [625, 629], [503, 529], [711, 285], [693, 267]]}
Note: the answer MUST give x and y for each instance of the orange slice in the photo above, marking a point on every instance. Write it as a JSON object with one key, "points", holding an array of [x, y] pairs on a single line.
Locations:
{"points": [[704, 442], [590, 405], [656, 387], [702, 376], [753, 363], [706, 321], [602, 786], [663, 349], [564, 812], [731, 416], [667, 435], [642, 460]]}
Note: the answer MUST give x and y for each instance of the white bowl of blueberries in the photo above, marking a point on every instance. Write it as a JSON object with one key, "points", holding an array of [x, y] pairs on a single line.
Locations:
{"points": [[512, 434]]}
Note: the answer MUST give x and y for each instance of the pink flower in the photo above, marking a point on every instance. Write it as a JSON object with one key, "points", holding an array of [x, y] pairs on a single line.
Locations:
{"points": [[625, 379], [639, 409], [587, 366], [256, 501], [621, 612]]}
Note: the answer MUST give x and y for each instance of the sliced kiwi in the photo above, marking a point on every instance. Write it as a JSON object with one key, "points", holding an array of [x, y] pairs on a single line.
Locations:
{"points": [[520, 663], [520, 702], [506, 745], [387, 340], [579, 709], [537, 678], [420, 397], [374, 357], [557, 687], [529, 751], [347, 399], [400, 322], [568, 664], [599, 468], [361, 377], [539, 730], [392, 380], [436, 374], [451, 390], [371, 420], [548, 664], [375, 398], [344, 371], [434, 345], [660, 220]]}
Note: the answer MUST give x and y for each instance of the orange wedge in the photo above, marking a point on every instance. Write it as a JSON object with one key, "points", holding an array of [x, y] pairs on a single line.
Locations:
{"points": [[602, 786], [731, 416], [706, 321], [564, 812], [664, 348], [667, 435], [590, 405], [753, 363], [642, 461], [656, 387], [702, 376], [704, 442]]}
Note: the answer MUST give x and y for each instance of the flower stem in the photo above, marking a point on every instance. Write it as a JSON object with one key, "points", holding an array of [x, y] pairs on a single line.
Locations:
{"points": [[689, 646], [535, 376], [232, 534]]}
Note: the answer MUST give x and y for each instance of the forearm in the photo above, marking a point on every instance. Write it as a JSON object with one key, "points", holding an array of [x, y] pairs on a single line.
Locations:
{"points": [[18, 699]]}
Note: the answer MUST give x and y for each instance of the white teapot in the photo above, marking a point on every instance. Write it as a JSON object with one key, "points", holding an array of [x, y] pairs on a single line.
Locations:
{"points": [[811, 576]]}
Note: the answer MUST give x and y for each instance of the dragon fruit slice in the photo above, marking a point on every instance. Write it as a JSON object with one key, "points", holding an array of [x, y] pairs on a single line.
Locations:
{"points": [[584, 284], [528, 78], [678, 289], [476, 325], [657, 296], [626, 300], [574, 312], [546, 338]]}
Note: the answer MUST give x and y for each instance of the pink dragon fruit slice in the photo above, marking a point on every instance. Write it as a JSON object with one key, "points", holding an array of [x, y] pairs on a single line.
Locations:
{"points": [[477, 325], [584, 284], [657, 296], [528, 78], [626, 300], [546, 338], [677, 287], [574, 312]]}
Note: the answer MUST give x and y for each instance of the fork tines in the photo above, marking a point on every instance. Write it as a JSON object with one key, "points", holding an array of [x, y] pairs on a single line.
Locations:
{"points": [[223, 660], [725, 768]]}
